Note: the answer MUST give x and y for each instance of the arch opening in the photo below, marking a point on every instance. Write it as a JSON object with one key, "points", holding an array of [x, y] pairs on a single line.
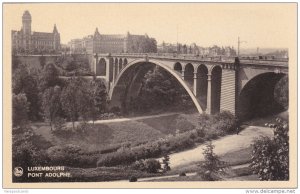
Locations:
{"points": [[101, 67], [125, 62], [120, 65], [216, 78], [201, 89], [257, 98], [130, 83], [116, 67], [111, 69], [189, 74], [178, 67]]}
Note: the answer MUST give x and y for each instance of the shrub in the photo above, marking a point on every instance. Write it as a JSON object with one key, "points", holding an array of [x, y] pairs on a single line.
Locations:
{"points": [[110, 149], [225, 122], [152, 165], [125, 157], [270, 157], [138, 165], [218, 125], [116, 110], [200, 132], [204, 121], [71, 66], [108, 116], [222, 122], [148, 165], [82, 127], [132, 179], [58, 123], [70, 155], [212, 134], [20, 107], [182, 174]]}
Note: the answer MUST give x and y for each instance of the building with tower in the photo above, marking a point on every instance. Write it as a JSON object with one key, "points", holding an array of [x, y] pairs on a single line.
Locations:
{"points": [[29, 42], [113, 43]]}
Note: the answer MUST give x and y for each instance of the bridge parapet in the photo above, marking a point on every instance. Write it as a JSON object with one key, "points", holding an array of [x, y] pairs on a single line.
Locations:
{"points": [[172, 56], [215, 82], [222, 60], [264, 62]]}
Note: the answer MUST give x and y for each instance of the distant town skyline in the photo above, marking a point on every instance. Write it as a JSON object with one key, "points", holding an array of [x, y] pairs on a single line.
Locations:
{"points": [[261, 25]]}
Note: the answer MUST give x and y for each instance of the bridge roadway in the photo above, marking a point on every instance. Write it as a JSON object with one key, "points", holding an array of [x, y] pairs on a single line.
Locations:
{"points": [[214, 83]]}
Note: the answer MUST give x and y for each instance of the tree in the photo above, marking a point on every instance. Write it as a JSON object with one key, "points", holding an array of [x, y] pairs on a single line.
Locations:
{"points": [[42, 60], [96, 99], [179, 48], [159, 90], [184, 49], [212, 165], [26, 81], [190, 50], [75, 99], [27, 150], [51, 103], [142, 44], [15, 62], [270, 156], [281, 92], [49, 77], [166, 163], [20, 109]]}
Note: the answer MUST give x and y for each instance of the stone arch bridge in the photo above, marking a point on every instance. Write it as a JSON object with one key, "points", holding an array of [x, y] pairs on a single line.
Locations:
{"points": [[214, 84]]}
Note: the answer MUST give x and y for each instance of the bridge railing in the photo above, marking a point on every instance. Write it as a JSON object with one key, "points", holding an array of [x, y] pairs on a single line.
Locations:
{"points": [[174, 56], [283, 63], [244, 59]]}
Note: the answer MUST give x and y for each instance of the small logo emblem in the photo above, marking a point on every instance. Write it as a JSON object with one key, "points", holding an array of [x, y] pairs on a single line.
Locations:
{"points": [[18, 171]]}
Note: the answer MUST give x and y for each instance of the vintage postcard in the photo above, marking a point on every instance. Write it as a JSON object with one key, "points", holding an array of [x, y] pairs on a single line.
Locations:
{"points": [[149, 95]]}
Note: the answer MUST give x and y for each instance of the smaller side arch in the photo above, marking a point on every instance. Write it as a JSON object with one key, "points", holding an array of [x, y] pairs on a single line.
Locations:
{"points": [[189, 74], [216, 81], [120, 64], [111, 69], [101, 67], [201, 89], [212, 67], [116, 66], [177, 67], [125, 62]]}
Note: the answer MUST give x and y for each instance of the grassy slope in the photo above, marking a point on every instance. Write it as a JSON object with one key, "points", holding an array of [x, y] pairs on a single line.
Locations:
{"points": [[130, 132], [141, 131]]}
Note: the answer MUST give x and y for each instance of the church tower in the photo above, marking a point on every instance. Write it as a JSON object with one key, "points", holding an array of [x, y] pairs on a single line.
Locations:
{"points": [[26, 28], [56, 38], [96, 42]]}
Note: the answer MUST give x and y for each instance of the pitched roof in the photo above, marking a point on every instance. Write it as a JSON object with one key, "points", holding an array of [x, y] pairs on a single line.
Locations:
{"points": [[42, 34]]}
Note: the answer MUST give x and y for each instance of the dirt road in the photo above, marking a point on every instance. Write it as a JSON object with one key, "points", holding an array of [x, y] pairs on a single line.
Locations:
{"points": [[227, 144]]}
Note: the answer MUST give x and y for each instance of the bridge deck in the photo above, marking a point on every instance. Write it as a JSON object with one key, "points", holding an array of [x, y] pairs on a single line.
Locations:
{"points": [[276, 62]]}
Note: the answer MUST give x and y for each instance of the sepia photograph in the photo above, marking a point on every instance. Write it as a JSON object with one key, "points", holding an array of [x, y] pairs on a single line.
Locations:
{"points": [[189, 94]]}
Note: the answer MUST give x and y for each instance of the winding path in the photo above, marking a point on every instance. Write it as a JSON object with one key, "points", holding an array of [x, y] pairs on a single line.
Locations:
{"points": [[227, 144]]}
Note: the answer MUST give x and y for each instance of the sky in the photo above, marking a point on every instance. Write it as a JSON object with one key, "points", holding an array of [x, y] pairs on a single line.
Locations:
{"points": [[258, 25]]}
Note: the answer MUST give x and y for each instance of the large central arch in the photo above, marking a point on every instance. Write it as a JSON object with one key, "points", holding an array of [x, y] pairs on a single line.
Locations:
{"points": [[256, 98], [113, 92]]}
